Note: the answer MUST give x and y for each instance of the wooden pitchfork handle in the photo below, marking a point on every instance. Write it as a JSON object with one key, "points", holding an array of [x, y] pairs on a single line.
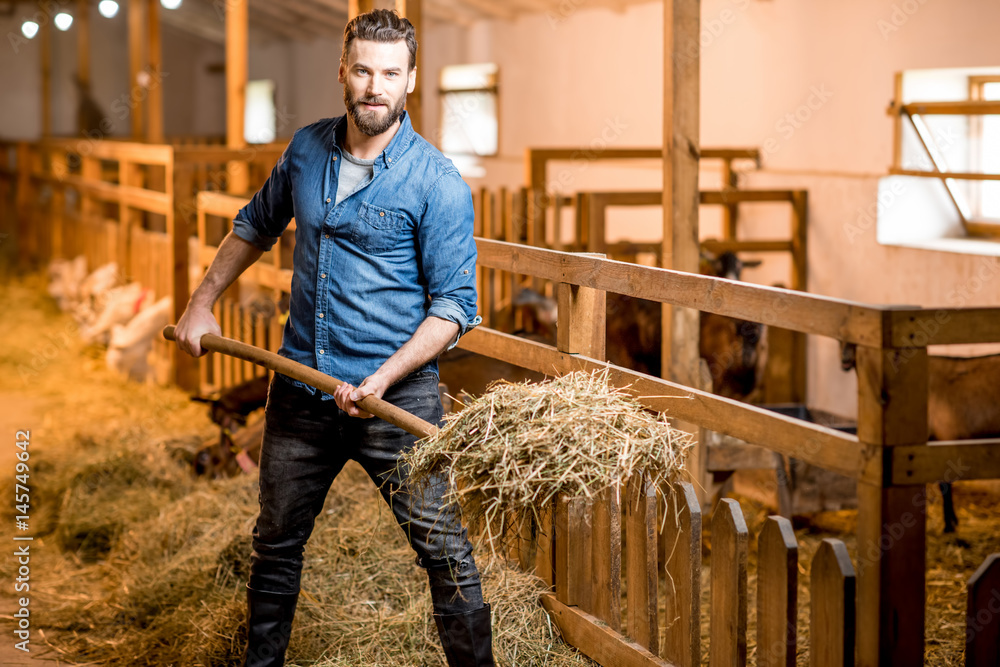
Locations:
{"points": [[293, 369]]}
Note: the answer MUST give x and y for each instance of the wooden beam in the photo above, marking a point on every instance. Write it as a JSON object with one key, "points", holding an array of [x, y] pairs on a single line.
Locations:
{"points": [[595, 639], [237, 19], [46, 49], [810, 313], [892, 520], [412, 10], [972, 107], [136, 62], [949, 461], [154, 131], [958, 175], [947, 326], [681, 146], [82, 21], [825, 447]]}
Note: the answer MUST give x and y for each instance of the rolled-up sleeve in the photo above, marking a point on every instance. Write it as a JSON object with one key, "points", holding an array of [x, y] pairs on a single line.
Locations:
{"points": [[448, 253], [262, 221]]}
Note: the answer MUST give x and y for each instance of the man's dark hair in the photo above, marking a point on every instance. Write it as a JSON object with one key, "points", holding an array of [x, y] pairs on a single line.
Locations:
{"points": [[380, 25]]}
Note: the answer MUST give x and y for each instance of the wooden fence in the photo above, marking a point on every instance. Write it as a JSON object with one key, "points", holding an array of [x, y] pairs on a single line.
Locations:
{"points": [[602, 575]]}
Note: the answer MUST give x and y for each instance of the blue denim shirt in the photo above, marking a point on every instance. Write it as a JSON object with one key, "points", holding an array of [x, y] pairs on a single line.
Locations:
{"points": [[369, 270]]}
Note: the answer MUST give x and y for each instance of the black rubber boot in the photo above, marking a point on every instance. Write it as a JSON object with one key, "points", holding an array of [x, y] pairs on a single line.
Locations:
{"points": [[467, 638], [269, 625]]}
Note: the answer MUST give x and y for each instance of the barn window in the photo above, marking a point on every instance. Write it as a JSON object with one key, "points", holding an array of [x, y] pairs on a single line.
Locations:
{"points": [[469, 106], [944, 191], [259, 117]]}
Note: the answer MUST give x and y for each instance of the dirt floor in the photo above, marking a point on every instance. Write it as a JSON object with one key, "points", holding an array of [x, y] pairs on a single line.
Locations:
{"points": [[135, 563]]}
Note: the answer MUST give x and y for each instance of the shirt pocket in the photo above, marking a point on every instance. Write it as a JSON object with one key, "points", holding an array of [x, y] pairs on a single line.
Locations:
{"points": [[377, 230]]}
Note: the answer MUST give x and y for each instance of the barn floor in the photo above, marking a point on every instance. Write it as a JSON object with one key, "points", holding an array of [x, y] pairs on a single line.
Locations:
{"points": [[138, 564]]}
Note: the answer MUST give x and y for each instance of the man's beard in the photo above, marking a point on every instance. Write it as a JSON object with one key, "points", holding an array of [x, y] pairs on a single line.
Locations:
{"points": [[371, 123]]}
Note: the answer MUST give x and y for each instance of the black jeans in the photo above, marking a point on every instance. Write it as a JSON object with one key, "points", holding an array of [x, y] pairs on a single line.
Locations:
{"points": [[306, 443]]}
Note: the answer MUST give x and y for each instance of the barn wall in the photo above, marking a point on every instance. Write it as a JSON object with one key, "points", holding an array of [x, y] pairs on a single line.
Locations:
{"points": [[587, 76]]}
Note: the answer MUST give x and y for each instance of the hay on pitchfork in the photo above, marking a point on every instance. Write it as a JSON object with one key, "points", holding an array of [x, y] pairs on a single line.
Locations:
{"points": [[511, 451]]}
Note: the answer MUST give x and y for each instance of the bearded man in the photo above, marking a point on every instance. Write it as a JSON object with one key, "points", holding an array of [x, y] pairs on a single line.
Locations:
{"points": [[383, 282]]}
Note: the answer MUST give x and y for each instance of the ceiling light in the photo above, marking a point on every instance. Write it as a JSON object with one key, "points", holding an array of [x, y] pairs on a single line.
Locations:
{"points": [[29, 29], [171, 4], [63, 21], [108, 8]]}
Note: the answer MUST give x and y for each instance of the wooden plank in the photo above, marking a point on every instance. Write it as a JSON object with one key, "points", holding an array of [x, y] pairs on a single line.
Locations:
{"points": [[545, 554], [812, 443], [212, 154], [681, 539], [832, 607], [897, 121], [968, 107], [982, 634], [641, 569], [960, 175], [136, 63], [725, 198], [237, 25], [595, 640], [945, 460], [946, 326], [579, 554], [581, 328], [607, 559], [45, 46], [154, 100], [729, 586], [810, 313], [892, 395], [412, 10], [777, 593], [560, 547]]}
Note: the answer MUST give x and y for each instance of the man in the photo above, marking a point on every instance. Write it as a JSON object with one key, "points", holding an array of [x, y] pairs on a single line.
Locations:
{"points": [[384, 281]]}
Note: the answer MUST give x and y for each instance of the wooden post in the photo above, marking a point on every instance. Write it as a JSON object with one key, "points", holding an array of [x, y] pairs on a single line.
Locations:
{"points": [[641, 562], [729, 586], [136, 61], [777, 593], [831, 607], [892, 410], [412, 10], [800, 281], [237, 25], [46, 49], [982, 632], [681, 540], [680, 250], [82, 22], [897, 121], [607, 555], [154, 100]]}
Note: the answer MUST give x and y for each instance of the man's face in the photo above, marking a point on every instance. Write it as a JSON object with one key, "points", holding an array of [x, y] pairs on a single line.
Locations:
{"points": [[376, 82]]}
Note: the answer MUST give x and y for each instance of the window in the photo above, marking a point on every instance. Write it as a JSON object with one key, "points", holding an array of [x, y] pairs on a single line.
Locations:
{"points": [[984, 136], [259, 118], [469, 119]]}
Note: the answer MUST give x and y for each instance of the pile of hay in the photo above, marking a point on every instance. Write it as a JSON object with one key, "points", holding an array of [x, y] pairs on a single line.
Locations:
{"points": [[511, 451]]}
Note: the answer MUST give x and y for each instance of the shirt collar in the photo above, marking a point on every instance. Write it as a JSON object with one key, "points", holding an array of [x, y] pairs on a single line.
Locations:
{"points": [[397, 146]]}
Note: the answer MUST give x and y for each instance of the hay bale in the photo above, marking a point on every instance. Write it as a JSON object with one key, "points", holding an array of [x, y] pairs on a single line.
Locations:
{"points": [[511, 451]]}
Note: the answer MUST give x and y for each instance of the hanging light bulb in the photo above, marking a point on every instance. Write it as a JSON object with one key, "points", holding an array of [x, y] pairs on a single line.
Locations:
{"points": [[29, 29], [171, 4], [108, 8], [63, 21]]}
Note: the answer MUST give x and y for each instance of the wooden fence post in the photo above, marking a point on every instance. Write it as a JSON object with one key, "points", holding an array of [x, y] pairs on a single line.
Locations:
{"points": [[641, 576], [777, 593], [832, 607], [982, 632], [728, 635], [892, 411], [681, 539]]}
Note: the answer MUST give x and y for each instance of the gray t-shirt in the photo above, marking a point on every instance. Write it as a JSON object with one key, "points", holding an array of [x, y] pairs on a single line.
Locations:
{"points": [[353, 172]]}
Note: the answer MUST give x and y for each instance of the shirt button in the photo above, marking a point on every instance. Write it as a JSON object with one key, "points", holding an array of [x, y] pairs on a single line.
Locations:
{"points": [[334, 158], [388, 159], [323, 275], [321, 315], [381, 214], [327, 200], [326, 235], [321, 352]]}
